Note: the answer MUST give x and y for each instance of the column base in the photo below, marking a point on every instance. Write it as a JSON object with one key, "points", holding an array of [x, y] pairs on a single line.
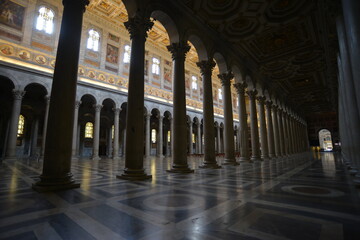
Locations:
{"points": [[10, 158], [116, 158], [230, 162], [134, 175], [96, 158], [353, 171], [180, 169], [245, 159], [265, 157], [255, 158], [212, 165], [50, 184]]}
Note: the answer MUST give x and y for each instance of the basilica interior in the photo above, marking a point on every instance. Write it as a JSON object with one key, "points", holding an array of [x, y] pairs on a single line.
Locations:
{"points": [[192, 119]]}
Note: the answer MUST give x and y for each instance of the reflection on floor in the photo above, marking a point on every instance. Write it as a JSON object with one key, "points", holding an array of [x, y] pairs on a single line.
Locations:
{"points": [[303, 197]]}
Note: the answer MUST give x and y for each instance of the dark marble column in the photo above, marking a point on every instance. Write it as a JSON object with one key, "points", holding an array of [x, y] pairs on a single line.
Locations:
{"points": [[263, 131], [270, 129], [116, 133], [243, 129], [14, 121], [190, 137], [47, 101], [255, 145], [276, 131], [228, 120], [96, 139], [147, 135], [180, 165], [74, 139], [206, 68], [138, 26], [281, 132], [56, 173], [160, 135]]}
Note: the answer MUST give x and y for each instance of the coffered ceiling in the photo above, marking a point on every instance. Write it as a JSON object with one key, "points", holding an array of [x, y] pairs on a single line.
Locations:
{"points": [[292, 42]]}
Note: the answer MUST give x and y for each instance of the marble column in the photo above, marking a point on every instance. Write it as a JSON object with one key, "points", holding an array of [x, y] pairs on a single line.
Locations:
{"points": [[190, 137], [206, 68], [14, 121], [351, 9], [116, 133], [348, 80], [34, 136], [218, 139], [198, 136], [270, 129], [74, 138], [243, 129], [147, 135], [96, 139], [172, 136], [281, 132], [229, 159], [109, 142], [288, 135], [263, 130], [160, 144], [56, 173], [255, 145], [47, 102], [138, 26], [276, 130], [293, 140], [178, 51]]}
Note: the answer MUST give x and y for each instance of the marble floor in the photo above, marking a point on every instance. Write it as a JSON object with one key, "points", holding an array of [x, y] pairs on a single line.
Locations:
{"points": [[308, 196]]}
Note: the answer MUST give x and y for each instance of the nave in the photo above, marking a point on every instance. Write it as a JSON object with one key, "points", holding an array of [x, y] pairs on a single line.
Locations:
{"points": [[305, 196]]}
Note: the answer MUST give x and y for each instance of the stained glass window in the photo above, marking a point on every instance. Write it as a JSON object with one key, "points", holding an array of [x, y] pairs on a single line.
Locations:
{"points": [[93, 40], [45, 20], [21, 125], [89, 130]]}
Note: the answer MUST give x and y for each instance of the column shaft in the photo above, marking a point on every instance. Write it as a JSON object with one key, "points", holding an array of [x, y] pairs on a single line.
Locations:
{"points": [[263, 131], [116, 133], [47, 101], [147, 136], [276, 131], [180, 164], [74, 138], [190, 138], [57, 160], [255, 145], [160, 142], [14, 121], [270, 130]]}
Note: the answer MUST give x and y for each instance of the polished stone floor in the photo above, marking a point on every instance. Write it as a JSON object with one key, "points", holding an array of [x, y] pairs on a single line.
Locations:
{"points": [[309, 196]]}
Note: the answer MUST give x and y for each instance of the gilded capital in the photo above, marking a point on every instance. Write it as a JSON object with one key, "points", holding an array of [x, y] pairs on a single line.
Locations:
{"points": [[225, 78], [206, 66], [138, 26], [178, 50], [240, 88]]}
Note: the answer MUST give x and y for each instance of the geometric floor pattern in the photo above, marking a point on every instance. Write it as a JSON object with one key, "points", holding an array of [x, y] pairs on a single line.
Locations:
{"points": [[309, 196]]}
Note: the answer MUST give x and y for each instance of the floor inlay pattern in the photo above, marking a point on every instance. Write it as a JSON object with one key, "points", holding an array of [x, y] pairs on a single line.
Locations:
{"points": [[299, 197]]}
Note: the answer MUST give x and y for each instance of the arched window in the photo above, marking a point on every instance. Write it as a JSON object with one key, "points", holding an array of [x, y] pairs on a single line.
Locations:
{"points": [[220, 93], [21, 125], [89, 130], [45, 20], [155, 69], [127, 52], [93, 40], [153, 136], [194, 83]]}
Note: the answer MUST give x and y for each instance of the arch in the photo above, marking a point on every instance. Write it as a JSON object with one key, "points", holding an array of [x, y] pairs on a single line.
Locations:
{"points": [[221, 62], [168, 24], [88, 96], [4, 76], [39, 88], [109, 101], [199, 47], [155, 112], [325, 140], [167, 115], [238, 74], [130, 6]]}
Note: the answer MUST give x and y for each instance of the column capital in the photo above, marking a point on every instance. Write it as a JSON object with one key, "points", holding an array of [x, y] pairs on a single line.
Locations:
{"points": [[261, 99], [275, 108], [160, 118], [138, 26], [240, 87], [77, 104], [148, 116], [189, 122], [268, 104], [225, 78], [178, 50], [116, 110], [252, 94], [97, 107], [206, 66], [78, 3], [18, 94]]}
